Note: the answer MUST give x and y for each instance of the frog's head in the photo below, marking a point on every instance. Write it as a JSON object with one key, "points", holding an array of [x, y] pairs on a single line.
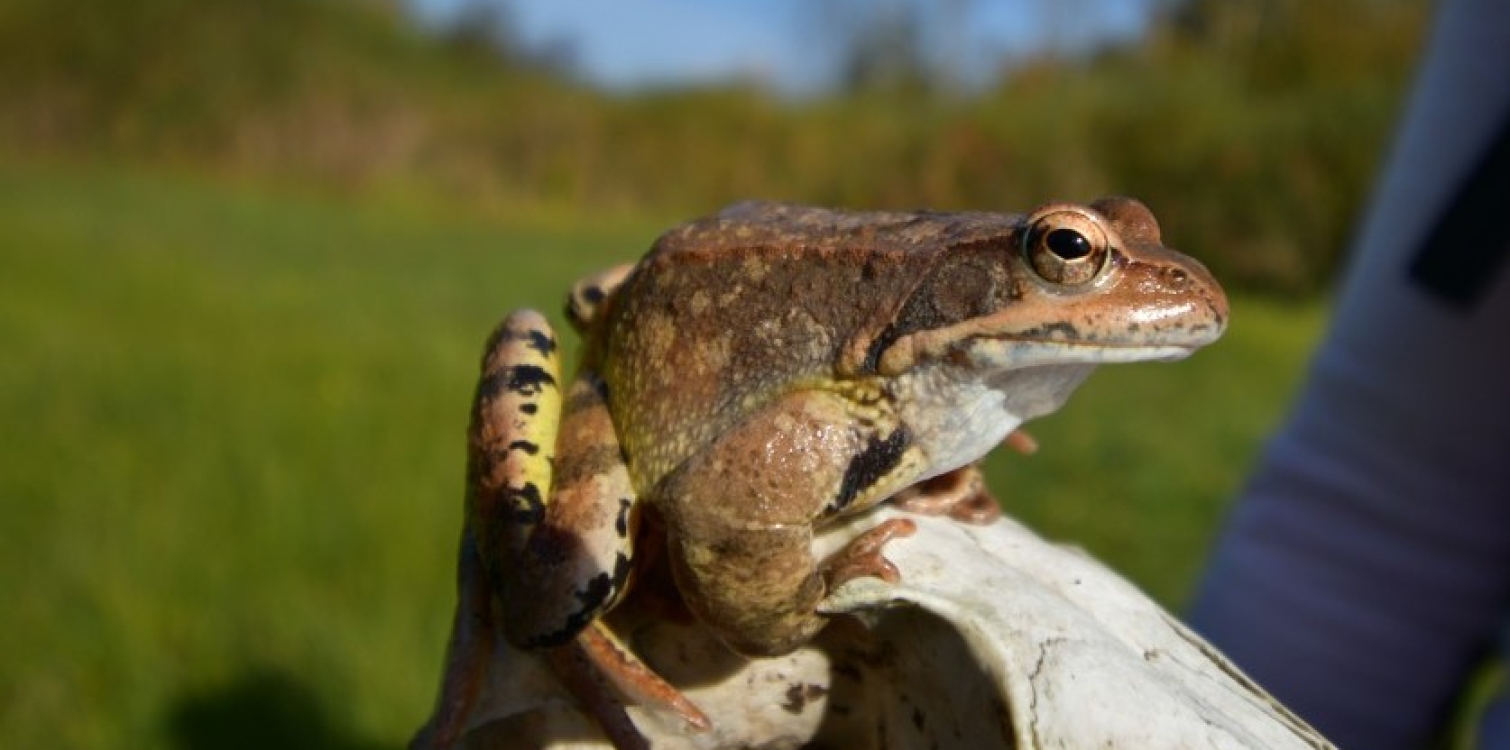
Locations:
{"points": [[1064, 285]]}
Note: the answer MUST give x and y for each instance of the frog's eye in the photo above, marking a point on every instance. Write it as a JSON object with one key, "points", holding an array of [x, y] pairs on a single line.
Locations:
{"points": [[1066, 247]]}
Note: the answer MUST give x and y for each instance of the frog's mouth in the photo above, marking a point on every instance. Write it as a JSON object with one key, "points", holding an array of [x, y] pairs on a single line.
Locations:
{"points": [[1012, 352], [1002, 348], [1165, 331]]}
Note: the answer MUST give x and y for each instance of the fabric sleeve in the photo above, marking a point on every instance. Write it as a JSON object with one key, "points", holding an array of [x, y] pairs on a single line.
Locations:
{"points": [[1365, 570]]}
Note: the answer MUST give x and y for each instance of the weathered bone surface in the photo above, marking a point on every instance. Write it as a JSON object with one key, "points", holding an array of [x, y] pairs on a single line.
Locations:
{"points": [[994, 639]]}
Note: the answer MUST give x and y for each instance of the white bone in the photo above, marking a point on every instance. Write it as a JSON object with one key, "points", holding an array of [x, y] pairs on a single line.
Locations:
{"points": [[994, 639]]}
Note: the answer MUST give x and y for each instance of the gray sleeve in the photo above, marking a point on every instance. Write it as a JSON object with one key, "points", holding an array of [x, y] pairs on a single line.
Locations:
{"points": [[1366, 567]]}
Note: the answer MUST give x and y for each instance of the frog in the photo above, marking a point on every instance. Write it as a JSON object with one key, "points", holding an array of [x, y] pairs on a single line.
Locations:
{"points": [[759, 374]]}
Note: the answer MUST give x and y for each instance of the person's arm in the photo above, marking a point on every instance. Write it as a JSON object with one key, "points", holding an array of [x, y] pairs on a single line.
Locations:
{"points": [[1366, 568]]}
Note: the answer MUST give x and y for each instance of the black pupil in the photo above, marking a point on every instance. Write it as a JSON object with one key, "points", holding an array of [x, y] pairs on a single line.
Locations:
{"points": [[1067, 244]]}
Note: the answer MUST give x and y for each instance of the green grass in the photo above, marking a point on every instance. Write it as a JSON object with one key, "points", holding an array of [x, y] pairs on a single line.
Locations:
{"points": [[232, 451]]}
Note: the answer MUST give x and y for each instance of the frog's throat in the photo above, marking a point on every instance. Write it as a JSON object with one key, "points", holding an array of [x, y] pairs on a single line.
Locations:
{"points": [[958, 414]]}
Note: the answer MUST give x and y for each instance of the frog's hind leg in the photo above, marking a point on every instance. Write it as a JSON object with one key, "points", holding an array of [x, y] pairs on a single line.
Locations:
{"points": [[578, 563], [512, 432], [511, 441], [468, 654], [556, 519], [549, 500], [598, 670], [575, 560]]}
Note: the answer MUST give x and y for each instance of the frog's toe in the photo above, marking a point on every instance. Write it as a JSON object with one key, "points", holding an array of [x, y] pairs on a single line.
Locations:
{"points": [[600, 673], [1019, 440], [864, 556], [960, 494], [622, 668]]}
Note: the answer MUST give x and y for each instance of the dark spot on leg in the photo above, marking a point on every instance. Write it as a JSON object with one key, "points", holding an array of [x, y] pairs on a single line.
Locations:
{"points": [[526, 380], [542, 342], [595, 598], [621, 568], [799, 695], [534, 338], [524, 504], [524, 445], [795, 700], [878, 458], [621, 524]]}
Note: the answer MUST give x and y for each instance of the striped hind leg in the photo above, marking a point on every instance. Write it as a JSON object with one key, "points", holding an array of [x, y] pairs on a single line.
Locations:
{"points": [[549, 527], [515, 413]]}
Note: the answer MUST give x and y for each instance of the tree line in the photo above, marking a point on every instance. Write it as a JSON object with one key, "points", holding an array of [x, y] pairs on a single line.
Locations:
{"points": [[1253, 129]]}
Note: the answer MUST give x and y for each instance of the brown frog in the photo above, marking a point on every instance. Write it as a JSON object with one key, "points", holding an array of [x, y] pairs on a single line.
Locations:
{"points": [[763, 371]]}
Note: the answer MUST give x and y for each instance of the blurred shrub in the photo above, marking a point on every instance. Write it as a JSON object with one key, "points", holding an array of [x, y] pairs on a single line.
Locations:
{"points": [[1252, 128]]}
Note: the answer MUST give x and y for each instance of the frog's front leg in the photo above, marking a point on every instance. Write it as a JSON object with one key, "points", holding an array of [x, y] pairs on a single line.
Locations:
{"points": [[740, 515], [962, 494]]}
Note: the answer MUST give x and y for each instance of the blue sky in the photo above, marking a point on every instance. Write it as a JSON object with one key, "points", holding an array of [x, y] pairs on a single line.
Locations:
{"points": [[787, 43]]}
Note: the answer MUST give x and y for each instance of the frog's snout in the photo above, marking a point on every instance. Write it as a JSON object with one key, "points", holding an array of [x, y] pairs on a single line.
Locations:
{"points": [[1177, 302], [1210, 298]]}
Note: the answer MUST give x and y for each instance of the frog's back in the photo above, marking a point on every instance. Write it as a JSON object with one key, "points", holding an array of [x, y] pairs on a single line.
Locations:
{"points": [[729, 311], [754, 227]]}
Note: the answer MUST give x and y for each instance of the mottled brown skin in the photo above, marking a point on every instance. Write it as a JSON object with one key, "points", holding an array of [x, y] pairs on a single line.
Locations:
{"points": [[750, 357], [761, 372], [761, 298]]}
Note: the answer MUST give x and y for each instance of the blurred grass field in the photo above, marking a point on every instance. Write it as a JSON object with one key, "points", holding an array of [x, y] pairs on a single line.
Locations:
{"points": [[232, 463]]}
